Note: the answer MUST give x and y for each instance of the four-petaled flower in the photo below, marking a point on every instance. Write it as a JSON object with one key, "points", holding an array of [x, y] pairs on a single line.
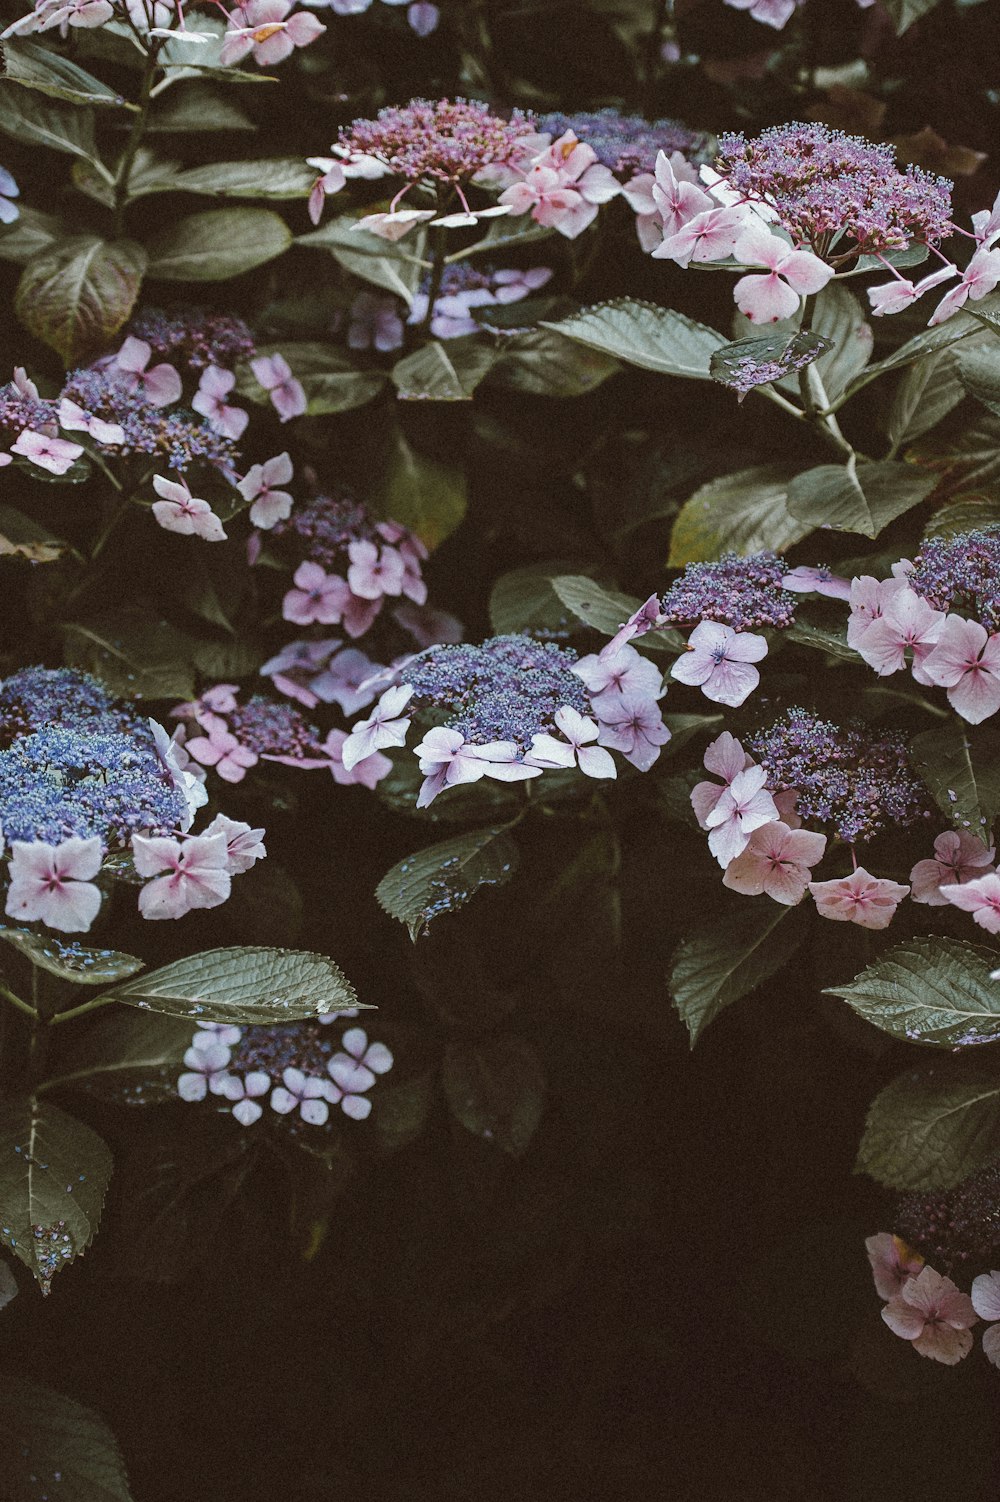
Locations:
{"points": [[374, 571], [192, 874], [180, 511], [52, 884], [246, 1094], [725, 757], [267, 33], [906, 621], [578, 748], [626, 672], [210, 401], [385, 726], [317, 596], [966, 661], [980, 897], [791, 275], [274, 373], [719, 662], [261, 486], [870, 901], [979, 277], [220, 749], [933, 1314], [709, 236], [777, 861], [56, 455], [206, 1071], [742, 807], [633, 725], [304, 1092], [893, 1263], [986, 1303], [353, 1071], [959, 857], [161, 386], [447, 759]]}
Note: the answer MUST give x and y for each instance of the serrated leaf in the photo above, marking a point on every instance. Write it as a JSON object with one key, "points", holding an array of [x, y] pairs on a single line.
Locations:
{"points": [[242, 985], [640, 333], [524, 600], [444, 877], [266, 177], [495, 1087], [863, 499], [443, 373], [77, 295], [37, 67], [70, 960], [217, 245], [926, 393], [930, 990], [543, 363], [605, 610], [30, 235], [932, 1127], [54, 1172], [763, 361], [420, 492], [51, 1446], [840, 317], [745, 512], [127, 1058], [35, 122], [961, 766], [728, 960], [961, 326], [964, 513]]}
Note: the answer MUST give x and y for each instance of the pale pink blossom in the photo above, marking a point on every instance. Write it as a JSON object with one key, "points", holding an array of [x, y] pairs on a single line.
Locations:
{"points": [[986, 1303], [710, 236], [189, 874], [627, 672], [304, 1093], [986, 225], [741, 808], [791, 275], [317, 596], [719, 661], [980, 897], [221, 750], [385, 726], [725, 757], [161, 385], [176, 762], [980, 277], [374, 571], [633, 725], [344, 681], [907, 621], [966, 661], [57, 455], [578, 748], [675, 194], [933, 1314], [394, 224], [50, 13], [642, 620], [52, 884], [892, 297], [205, 1071], [261, 486], [563, 188], [820, 581], [216, 1032], [274, 374], [959, 857], [777, 862], [869, 599], [298, 666], [331, 179], [447, 760], [180, 511], [210, 400], [261, 27], [870, 901], [893, 1263], [75, 420], [368, 772]]}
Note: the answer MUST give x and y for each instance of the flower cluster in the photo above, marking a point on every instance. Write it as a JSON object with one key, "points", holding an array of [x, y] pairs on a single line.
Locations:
{"points": [[961, 572], [514, 708], [742, 592], [195, 337], [464, 287], [298, 1066], [73, 794], [929, 1310]]}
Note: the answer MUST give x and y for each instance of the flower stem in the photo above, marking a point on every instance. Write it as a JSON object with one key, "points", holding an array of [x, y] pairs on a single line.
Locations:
{"points": [[439, 246], [15, 1001], [124, 173], [83, 1009]]}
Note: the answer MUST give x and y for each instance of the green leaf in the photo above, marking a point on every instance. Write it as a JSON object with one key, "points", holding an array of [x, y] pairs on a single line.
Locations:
{"points": [[394, 268], [30, 235], [779, 352], [605, 610], [731, 958], [495, 1087], [905, 12], [128, 1058], [217, 245], [51, 1446], [76, 296], [544, 363], [926, 393], [930, 990], [439, 373], [932, 1127], [70, 960], [640, 333], [267, 177], [744, 512], [422, 493], [961, 766], [21, 536], [969, 459], [39, 68], [242, 985], [865, 499], [35, 122], [150, 174], [979, 370], [503, 234], [54, 1172], [961, 326], [330, 381], [135, 657], [964, 513], [821, 639], [445, 876], [524, 600], [839, 317], [197, 107]]}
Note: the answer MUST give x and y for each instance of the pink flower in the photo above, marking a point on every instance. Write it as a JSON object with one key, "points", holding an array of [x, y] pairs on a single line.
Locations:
{"points": [[966, 661], [317, 596], [580, 731], [869, 599], [934, 1315], [870, 901], [633, 725], [161, 385], [52, 884], [675, 193], [774, 13], [210, 400], [368, 772], [980, 897], [727, 759], [820, 581], [906, 621], [221, 750], [986, 1303], [354, 1069], [959, 857], [625, 673], [274, 373], [710, 236], [741, 808], [194, 874], [385, 726], [301, 1092], [374, 323], [244, 846], [374, 571], [180, 511], [345, 681], [986, 225], [206, 1071], [394, 225], [259, 486], [331, 179], [777, 861], [266, 33], [298, 666], [75, 420], [979, 277], [893, 1263], [642, 620], [563, 187], [56, 455], [718, 661], [791, 274], [892, 297], [447, 759]]}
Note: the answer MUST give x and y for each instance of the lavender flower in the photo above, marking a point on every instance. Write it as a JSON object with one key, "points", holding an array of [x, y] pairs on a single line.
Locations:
{"points": [[628, 143], [34, 698], [961, 573], [446, 140], [195, 337], [270, 729], [178, 437], [734, 591]]}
